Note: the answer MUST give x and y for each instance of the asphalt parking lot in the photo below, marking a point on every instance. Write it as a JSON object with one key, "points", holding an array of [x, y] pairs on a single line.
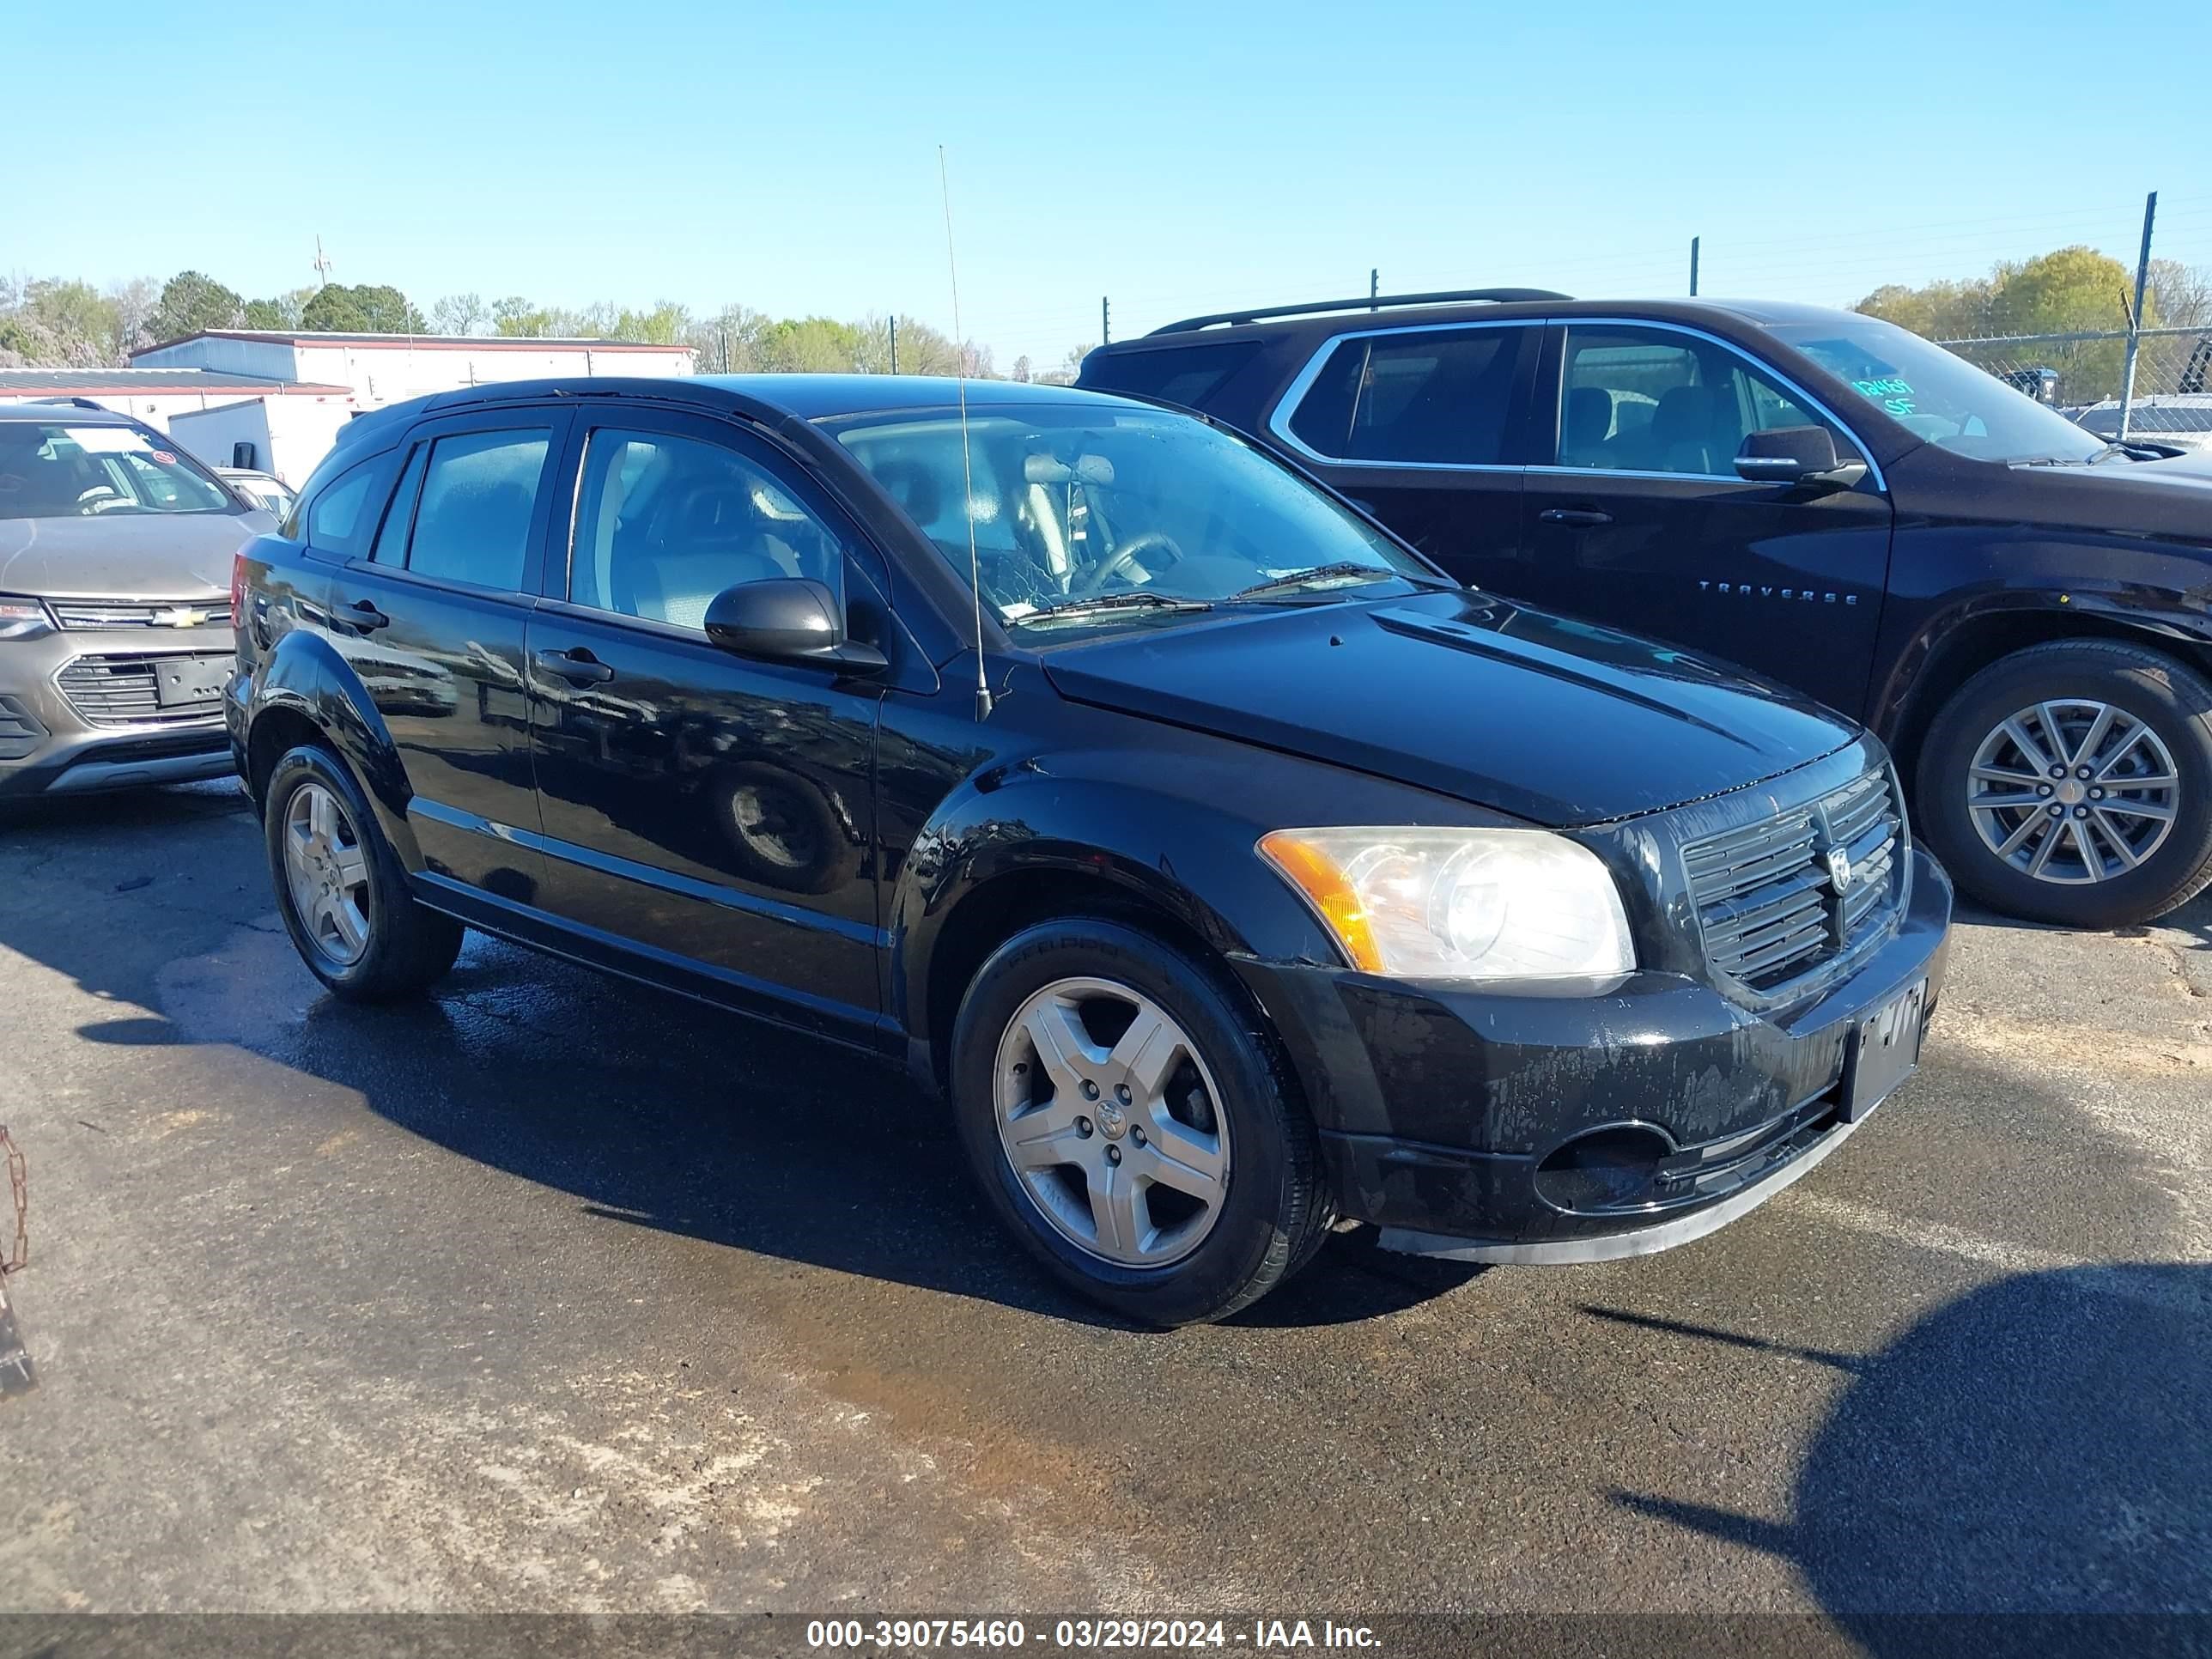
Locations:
{"points": [[556, 1294]]}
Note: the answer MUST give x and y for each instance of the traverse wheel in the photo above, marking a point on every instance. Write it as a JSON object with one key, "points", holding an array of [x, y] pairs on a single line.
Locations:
{"points": [[2072, 783]]}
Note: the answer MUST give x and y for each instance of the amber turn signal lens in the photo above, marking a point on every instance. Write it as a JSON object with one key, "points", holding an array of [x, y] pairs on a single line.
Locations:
{"points": [[1326, 887]]}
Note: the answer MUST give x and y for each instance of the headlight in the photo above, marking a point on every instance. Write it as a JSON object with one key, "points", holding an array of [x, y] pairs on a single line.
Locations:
{"points": [[1459, 903], [23, 619]]}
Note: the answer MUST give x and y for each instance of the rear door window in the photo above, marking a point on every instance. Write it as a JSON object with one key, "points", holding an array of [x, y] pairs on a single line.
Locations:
{"points": [[1431, 396], [479, 493]]}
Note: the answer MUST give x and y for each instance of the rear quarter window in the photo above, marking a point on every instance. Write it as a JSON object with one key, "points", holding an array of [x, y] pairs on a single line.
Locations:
{"points": [[1187, 375]]}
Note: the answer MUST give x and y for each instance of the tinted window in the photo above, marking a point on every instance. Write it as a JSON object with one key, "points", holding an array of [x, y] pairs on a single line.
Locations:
{"points": [[664, 523], [1181, 374], [391, 546], [478, 492], [1652, 400], [335, 521], [1439, 396]]}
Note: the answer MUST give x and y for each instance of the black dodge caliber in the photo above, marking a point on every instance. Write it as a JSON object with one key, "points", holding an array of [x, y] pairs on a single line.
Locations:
{"points": [[1207, 942]]}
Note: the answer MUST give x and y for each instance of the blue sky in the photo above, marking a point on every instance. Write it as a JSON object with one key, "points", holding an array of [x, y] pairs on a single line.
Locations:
{"points": [[1179, 158]]}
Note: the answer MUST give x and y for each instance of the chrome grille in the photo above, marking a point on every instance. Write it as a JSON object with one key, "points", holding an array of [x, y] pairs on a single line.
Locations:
{"points": [[1767, 905], [89, 616], [123, 691]]}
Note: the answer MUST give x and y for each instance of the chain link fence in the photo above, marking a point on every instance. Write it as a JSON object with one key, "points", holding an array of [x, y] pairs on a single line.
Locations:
{"points": [[2085, 377]]}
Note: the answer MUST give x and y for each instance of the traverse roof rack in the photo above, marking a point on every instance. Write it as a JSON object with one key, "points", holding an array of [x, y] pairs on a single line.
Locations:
{"points": [[1443, 296]]}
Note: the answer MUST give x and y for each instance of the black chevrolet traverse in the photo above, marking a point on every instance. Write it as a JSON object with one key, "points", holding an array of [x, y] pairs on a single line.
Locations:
{"points": [[1206, 939], [2020, 609]]}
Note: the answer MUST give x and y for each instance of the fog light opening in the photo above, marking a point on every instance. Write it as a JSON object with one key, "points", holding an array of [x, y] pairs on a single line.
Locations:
{"points": [[1605, 1169]]}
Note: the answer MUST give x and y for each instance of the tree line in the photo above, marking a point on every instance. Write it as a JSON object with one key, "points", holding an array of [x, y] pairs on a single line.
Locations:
{"points": [[56, 322], [61, 322], [2068, 291]]}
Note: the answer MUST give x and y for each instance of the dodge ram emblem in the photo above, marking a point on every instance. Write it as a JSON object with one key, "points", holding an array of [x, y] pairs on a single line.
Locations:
{"points": [[1839, 867]]}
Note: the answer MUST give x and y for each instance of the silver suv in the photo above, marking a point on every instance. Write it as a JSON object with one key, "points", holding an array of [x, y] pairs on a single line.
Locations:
{"points": [[115, 640]]}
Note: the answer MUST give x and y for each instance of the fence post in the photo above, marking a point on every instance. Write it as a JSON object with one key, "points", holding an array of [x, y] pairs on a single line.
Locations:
{"points": [[1105, 320], [2136, 318], [1693, 267]]}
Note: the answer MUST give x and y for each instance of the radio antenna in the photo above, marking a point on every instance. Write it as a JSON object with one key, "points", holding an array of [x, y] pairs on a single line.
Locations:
{"points": [[983, 702]]}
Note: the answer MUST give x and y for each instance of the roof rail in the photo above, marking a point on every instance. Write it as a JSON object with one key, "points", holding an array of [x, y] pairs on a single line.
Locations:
{"points": [[73, 403], [1441, 297]]}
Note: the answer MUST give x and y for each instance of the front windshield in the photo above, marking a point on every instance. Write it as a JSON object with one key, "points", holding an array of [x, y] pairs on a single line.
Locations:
{"points": [[61, 470], [1104, 514], [1941, 398]]}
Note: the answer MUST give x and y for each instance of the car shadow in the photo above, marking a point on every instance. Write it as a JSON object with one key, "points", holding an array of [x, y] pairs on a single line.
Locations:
{"points": [[652, 1111], [2038, 1446]]}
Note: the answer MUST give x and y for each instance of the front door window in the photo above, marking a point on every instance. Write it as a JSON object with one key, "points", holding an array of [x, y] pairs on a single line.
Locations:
{"points": [[1654, 400]]}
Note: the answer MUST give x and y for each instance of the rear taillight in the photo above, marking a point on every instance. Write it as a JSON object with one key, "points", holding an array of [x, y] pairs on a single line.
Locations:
{"points": [[238, 587]]}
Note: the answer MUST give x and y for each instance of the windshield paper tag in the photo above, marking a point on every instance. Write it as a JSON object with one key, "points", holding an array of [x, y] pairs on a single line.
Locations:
{"points": [[106, 440], [1892, 394]]}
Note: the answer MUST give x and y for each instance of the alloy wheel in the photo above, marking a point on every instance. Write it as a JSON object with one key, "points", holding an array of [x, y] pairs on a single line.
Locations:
{"points": [[2073, 791], [1110, 1120], [326, 869]]}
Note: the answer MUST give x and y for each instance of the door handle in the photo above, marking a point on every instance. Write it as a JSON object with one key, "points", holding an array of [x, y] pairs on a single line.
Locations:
{"points": [[576, 663], [364, 615], [1581, 518]]}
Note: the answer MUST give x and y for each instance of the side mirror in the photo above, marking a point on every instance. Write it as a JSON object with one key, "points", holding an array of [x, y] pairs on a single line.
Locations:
{"points": [[789, 620], [1796, 455]]}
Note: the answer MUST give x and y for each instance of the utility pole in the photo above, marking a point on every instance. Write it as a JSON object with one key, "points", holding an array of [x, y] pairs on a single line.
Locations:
{"points": [[1693, 267], [1105, 321], [1374, 287], [724, 331], [894, 343], [2136, 321]]}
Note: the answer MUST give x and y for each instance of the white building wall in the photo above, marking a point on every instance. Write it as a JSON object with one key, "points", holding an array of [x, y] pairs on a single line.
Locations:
{"points": [[289, 435], [392, 374]]}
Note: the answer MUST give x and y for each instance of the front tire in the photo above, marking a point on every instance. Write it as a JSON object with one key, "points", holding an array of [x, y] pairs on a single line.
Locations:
{"points": [[1131, 1125], [341, 890], [2072, 783]]}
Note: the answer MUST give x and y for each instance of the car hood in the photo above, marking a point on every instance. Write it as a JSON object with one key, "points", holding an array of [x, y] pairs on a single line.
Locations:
{"points": [[1556, 722], [176, 556], [2170, 499]]}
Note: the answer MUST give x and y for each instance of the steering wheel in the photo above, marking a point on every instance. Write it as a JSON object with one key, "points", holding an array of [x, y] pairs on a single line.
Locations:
{"points": [[1126, 554], [100, 496]]}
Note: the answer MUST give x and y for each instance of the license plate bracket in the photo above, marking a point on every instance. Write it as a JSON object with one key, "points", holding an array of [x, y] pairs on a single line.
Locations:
{"points": [[188, 682], [1882, 1050]]}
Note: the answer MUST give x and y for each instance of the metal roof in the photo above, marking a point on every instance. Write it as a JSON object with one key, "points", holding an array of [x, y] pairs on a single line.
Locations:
{"points": [[293, 337]]}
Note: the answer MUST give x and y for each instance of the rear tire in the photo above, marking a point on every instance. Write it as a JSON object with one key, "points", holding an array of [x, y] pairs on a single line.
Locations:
{"points": [[340, 888], [1224, 1102], [2128, 717]]}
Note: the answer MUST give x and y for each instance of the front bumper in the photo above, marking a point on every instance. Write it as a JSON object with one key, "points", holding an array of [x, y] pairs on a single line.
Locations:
{"points": [[48, 745], [1445, 1114]]}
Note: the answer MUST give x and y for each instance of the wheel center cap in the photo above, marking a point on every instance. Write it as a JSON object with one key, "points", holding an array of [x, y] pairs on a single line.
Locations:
{"points": [[2072, 792], [1113, 1122]]}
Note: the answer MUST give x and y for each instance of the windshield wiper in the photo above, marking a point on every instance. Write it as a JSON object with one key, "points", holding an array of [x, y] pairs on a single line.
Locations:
{"points": [[1139, 599], [1320, 572]]}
